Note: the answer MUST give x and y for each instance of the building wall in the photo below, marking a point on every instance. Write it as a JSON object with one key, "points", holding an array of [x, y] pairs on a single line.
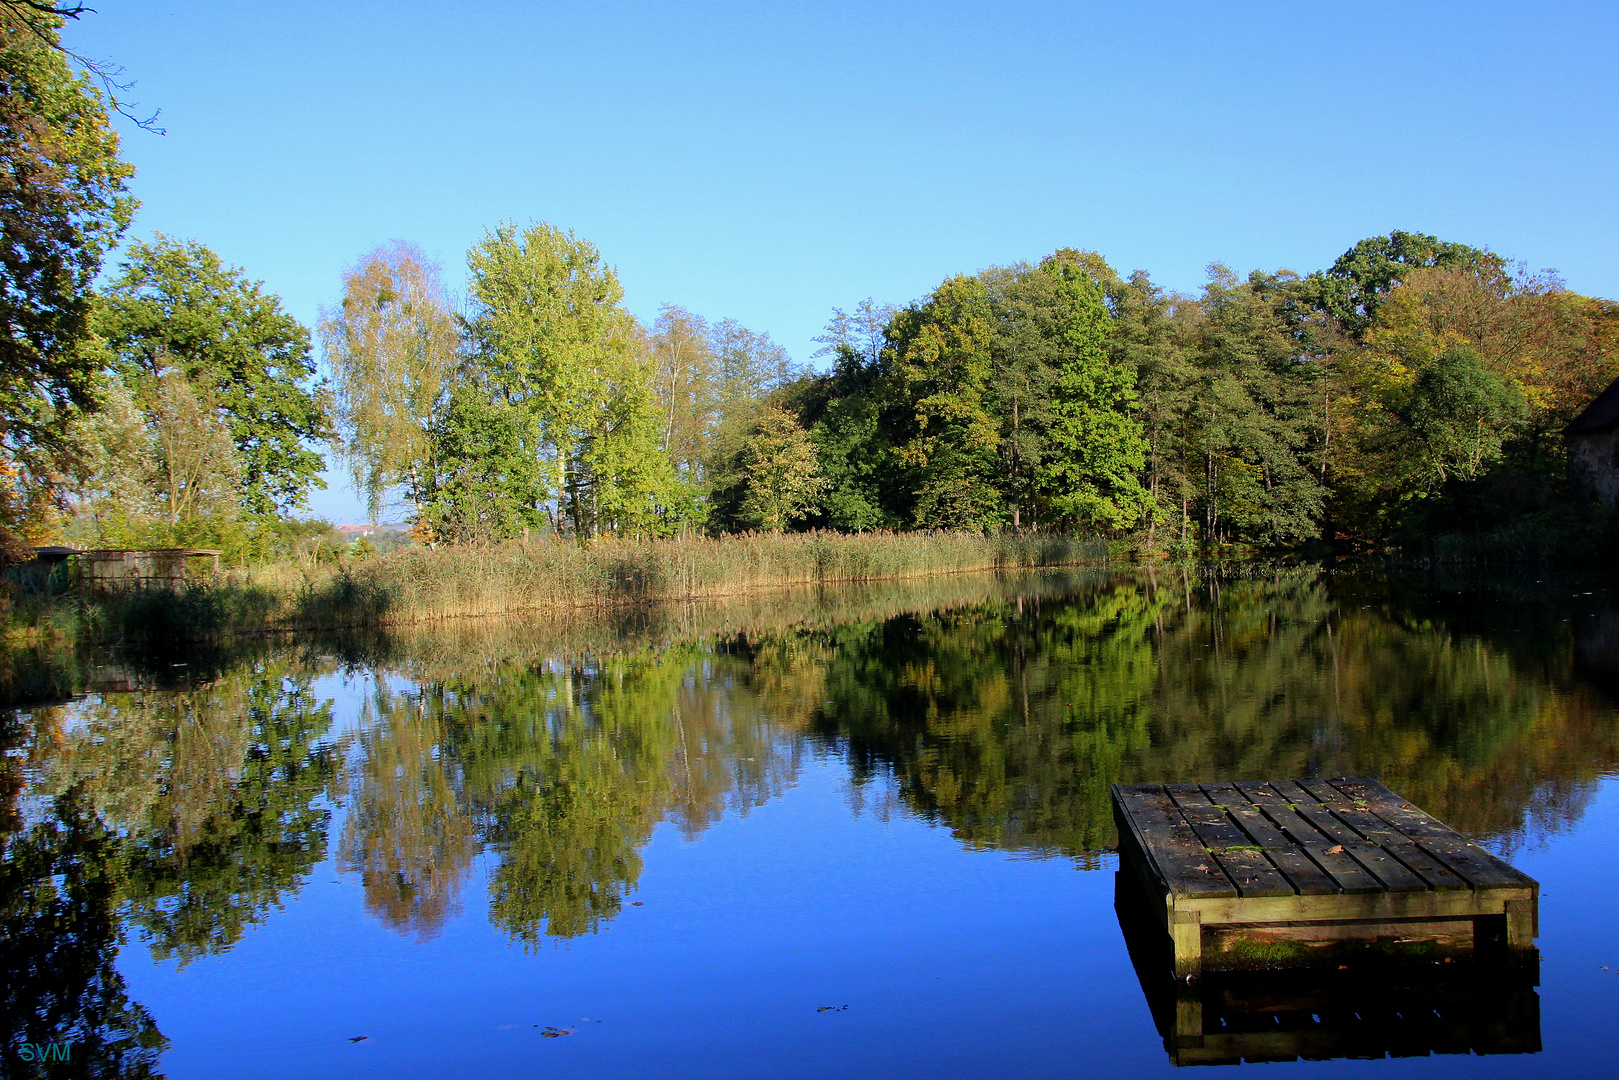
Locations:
{"points": [[1593, 464]]}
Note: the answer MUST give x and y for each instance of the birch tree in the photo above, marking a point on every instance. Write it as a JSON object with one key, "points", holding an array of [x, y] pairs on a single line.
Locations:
{"points": [[392, 344]]}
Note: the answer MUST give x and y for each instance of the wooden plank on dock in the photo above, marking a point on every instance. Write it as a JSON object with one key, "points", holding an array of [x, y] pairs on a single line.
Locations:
{"points": [[1478, 867], [1182, 862], [1434, 874], [1330, 856], [1306, 878], [1243, 861], [1391, 874]]}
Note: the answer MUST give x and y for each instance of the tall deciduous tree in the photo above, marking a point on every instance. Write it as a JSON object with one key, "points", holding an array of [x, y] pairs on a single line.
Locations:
{"points": [[554, 414], [176, 306], [688, 399], [63, 205], [1154, 334], [1255, 428], [1090, 477], [856, 456], [937, 388], [195, 466], [393, 345]]}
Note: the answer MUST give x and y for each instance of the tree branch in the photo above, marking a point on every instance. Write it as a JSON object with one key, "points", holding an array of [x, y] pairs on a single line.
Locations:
{"points": [[28, 13]]}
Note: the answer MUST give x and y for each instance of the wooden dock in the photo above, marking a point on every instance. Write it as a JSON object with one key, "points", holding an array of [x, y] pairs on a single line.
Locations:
{"points": [[1297, 872]]}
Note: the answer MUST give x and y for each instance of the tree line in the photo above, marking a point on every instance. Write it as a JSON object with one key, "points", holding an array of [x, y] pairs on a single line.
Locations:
{"points": [[1413, 383]]}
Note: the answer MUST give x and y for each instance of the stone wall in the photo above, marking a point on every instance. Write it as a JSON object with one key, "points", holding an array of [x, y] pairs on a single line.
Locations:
{"points": [[1593, 464]]}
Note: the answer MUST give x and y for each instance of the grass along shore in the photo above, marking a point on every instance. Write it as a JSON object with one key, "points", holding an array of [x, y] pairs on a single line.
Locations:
{"points": [[419, 584], [52, 670]]}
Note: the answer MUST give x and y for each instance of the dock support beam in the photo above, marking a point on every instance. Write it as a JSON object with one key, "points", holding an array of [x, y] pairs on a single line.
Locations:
{"points": [[1186, 931], [1520, 923]]}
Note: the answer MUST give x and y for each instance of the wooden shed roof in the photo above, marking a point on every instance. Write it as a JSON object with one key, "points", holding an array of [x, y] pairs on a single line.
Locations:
{"points": [[1600, 415]]}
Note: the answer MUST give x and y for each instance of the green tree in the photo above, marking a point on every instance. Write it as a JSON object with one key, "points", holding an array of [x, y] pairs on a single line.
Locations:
{"points": [[1461, 413], [196, 468], [841, 411], [1090, 477], [490, 468], [174, 306], [1354, 286], [627, 485], [1155, 335], [935, 394], [688, 396], [1255, 428], [63, 206], [1027, 350], [776, 472], [156, 467], [553, 365]]}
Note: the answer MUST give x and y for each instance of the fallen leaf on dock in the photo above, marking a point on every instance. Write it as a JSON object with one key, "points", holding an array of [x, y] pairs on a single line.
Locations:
{"points": [[1337, 850]]}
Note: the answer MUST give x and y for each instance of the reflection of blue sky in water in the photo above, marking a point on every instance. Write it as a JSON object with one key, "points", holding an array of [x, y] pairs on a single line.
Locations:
{"points": [[841, 815]]}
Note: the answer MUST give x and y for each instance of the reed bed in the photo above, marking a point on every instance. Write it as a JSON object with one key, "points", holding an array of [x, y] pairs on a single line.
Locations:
{"points": [[53, 670], [420, 584]]}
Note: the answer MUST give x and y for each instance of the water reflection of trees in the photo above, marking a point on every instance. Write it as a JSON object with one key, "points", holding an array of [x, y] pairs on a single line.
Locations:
{"points": [[1003, 711], [59, 933], [1009, 721], [213, 790], [186, 813], [565, 767]]}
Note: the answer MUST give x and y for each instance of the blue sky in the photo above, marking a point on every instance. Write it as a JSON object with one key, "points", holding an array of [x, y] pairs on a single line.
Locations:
{"points": [[767, 162]]}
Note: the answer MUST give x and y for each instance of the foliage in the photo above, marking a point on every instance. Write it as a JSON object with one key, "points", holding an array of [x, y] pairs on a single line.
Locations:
{"points": [[842, 414], [774, 478], [1257, 423], [935, 383], [1089, 476], [63, 206], [393, 346], [1270, 410], [1355, 285], [175, 307], [553, 420]]}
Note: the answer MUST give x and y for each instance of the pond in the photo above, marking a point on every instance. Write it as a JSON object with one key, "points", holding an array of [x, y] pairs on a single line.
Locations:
{"points": [[833, 833]]}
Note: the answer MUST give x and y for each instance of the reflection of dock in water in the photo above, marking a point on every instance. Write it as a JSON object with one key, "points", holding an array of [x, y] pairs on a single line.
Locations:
{"points": [[1316, 919], [1292, 873], [1359, 1010]]}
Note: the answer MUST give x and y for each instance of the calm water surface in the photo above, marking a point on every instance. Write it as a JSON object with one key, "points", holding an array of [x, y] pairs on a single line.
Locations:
{"points": [[837, 834]]}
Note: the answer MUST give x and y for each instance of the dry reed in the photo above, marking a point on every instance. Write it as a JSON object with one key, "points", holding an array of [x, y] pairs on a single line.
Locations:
{"points": [[419, 584]]}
